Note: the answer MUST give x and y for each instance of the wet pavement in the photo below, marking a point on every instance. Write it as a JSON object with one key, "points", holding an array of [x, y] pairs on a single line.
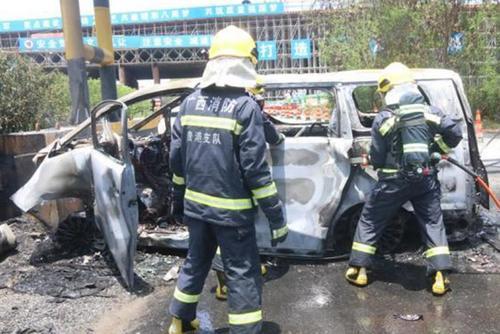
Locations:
{"points": [[317, 299]]}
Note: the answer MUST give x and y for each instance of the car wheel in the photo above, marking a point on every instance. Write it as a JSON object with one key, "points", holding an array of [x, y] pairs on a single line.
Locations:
{"points": [[392, 235]]}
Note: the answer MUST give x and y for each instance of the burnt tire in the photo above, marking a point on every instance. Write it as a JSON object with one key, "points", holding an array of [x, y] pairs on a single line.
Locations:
{"points": [[79, 234], [392, 235], [346, 227]]}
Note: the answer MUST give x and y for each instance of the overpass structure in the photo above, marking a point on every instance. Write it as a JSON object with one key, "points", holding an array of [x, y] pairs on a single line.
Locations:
{"points": [[170, 42]]}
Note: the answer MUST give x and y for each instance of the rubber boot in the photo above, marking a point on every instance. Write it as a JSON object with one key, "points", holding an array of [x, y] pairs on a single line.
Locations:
{"points": [[357, 276], [179, 326], [441, 284], [263, 270], [221, 290]]}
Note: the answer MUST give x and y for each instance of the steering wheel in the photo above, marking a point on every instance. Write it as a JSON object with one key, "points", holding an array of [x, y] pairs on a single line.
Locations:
{"points": [[309, 128], [313, 125]]}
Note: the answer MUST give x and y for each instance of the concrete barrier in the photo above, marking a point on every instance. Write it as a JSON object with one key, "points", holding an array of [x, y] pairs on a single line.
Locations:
{"points": [[16, 166]]}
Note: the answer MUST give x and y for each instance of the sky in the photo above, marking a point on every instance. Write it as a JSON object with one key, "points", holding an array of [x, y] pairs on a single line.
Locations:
{"points": [[31, 9]]}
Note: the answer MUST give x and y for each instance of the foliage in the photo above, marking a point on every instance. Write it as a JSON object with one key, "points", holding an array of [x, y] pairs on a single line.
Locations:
{"points": [[57, 100], [136, 110], [28, 95], [417, 33]]}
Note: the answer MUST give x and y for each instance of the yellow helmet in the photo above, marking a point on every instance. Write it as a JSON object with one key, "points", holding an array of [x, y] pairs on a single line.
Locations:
{"points": [[235, 42], [394, 74], [259, 87]]}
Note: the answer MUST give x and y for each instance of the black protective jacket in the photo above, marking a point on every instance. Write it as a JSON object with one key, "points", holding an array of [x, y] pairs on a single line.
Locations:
{"points": [[218, 157], [445, 133]]}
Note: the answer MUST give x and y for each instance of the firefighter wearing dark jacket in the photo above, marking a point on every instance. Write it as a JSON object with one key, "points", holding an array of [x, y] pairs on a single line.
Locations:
{"points": [[274, 138], [220, 173], [404, 135]]}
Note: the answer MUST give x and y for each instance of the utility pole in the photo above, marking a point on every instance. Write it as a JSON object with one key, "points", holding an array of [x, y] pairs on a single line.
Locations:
{"points": [[77, 53], [104, 33], [73, 41]]}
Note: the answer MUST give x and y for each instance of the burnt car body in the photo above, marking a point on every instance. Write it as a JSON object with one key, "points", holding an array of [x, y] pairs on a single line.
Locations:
{"points": [[319, 169]]}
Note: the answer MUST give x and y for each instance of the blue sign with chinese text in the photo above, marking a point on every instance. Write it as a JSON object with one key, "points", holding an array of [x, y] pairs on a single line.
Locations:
{"points": [[456, 43], [267, 50], [301, 48], [119, 42], [152, 16]]}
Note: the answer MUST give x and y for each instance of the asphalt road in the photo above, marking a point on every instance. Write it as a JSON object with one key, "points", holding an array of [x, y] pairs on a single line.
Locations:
{"points": [[307, 298], [316, 299]]}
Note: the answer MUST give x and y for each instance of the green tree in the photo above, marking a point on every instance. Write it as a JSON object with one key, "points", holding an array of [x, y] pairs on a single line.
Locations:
{"points": [[136, 110], [57, 99], [417, 33], [28, 95]]}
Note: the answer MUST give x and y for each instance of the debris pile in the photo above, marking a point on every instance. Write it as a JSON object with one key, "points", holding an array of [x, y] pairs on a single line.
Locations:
{"points": [[69, 273], [7, 239]]}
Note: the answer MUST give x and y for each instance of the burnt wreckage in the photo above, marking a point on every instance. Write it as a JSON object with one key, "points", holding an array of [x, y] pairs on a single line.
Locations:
{"points": [[125, 182]]}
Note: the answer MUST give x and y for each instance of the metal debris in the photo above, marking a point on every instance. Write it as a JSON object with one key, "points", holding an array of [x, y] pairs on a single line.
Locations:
{"points": [[172, 274], [494, 241], [47, 329], [7, 239], [63, 281], [409, 317]]}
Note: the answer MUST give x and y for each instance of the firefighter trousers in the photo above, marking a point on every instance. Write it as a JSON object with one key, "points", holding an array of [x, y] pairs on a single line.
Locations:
{"points": [[384, 202], [241, 261]]}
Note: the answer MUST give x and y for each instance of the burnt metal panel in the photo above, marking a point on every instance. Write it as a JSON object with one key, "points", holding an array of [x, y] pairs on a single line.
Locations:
{"points": [[310, 173]]}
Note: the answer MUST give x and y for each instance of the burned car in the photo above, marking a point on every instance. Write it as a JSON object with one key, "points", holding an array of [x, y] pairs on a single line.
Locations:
{"points": [[319, 170]]}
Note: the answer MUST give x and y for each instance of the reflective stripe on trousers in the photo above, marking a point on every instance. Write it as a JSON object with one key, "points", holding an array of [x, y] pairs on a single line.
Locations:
{"points": [[241, 264], [245, 318], [440, 250], [363, 248], [186, 297], [384, 202]]}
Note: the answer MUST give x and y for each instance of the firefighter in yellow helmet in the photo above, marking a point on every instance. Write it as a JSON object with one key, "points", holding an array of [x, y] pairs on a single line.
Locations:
{"points": [[404, 135], [218, 159], [273, 137]]}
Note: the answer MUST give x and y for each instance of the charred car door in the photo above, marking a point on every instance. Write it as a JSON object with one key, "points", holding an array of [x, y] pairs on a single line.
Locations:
{"points": [[102, 177], [310, 169]]}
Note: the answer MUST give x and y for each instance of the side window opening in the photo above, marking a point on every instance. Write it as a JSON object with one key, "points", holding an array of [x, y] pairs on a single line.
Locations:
{"points": [[300, 111], [368, 102]]}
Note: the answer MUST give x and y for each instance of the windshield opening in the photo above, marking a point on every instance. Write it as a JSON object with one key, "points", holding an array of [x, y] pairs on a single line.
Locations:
{"points": [[300, 105]]}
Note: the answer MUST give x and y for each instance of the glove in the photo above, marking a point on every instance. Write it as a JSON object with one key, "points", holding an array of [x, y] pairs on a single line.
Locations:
{"points": [[278, 235], [281, 140]]}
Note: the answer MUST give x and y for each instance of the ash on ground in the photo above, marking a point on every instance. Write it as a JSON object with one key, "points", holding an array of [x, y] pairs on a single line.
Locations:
{"points": [[52, 285], [48, 287]]}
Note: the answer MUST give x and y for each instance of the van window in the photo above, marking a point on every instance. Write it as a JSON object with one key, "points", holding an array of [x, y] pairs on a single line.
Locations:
{"points": [[368, 102], [300, 105], [302, 111]]}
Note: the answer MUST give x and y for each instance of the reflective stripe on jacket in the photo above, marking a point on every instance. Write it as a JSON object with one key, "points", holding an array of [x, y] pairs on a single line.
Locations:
{"points": [[218, 151]]}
